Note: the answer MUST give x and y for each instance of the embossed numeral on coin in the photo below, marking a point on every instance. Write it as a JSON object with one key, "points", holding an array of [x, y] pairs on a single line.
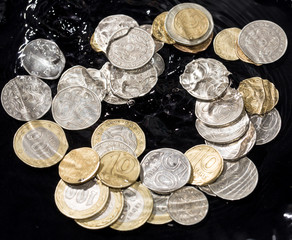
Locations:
{"points": [[80, 196]]}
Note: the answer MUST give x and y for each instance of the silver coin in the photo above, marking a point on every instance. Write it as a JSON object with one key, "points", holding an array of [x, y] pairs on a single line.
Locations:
{"points": [[165, 170], [169, 24], [158, 63], [26, 98], [130, 48], [206, 189], [239, 148], [263, 41], [43, 58], [237, 180], [226, 134], [205, 78], [158, 44], [188, 206], [76, 108], [112, 145], [267, 126], [222, 111]]}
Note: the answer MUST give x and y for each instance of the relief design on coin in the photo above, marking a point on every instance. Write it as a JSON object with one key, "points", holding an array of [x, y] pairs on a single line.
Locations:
{"points": [[158, 62], [112, 145], [158, 44], [240, 54]]}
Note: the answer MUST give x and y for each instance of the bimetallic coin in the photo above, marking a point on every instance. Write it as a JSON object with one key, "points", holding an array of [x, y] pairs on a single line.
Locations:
{"points": [[40, 143], [112, 145], [81, 201], [158, 62], [237, 180], [137, 209], [26, 98], [206, 189], [243, 57], [188, 206], [267, 126], [158, 44], [94, 44], [263, 41], [43, 58], [76, 108], [165, 170]]}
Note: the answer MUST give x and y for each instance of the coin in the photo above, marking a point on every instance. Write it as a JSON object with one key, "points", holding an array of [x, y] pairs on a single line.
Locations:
{"points": [[112, 145], [40, 143], [81, 201], [259, 95], [267, 126], [237, 180], [263, 41], [158, 62], [225, 43], [243, 57], [165, 170], [43, 58], [137, 209], [108, 215], [94, 44], [79, 165], [122, 130], [26, 98], [188, 206], [206, 164], [76, 108], [158, 44], [207, 189], [205, 78]]}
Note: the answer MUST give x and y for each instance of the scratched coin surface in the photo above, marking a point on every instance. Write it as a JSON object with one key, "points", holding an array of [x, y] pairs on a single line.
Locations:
{"points": [[165, 170], [26, 98], [76, 108], [206, 189], [237, 180], [112, 145], [40, 143], [188, 206], [81, 201], [43, 58], [137, 208], [158, 44], [158, 62], [267, 126], [205, 78], [263, 41]]}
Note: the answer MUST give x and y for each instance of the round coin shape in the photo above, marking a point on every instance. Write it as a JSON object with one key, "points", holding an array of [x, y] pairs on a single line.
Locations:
{"points": [[94, 44], [26, 98], [112, 145], [158, 62], [158, 44], [40, 143], [240, 54], [206, 189]]}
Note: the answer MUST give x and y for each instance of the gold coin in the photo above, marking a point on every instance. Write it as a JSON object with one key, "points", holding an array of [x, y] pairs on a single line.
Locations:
{"points": [[118, 169], [259, 95], [240, 54], [138, 208], [81, 201], [40, 143], [191, 23], [158, 29], [206, 164], [94, 44], [109, 214], [225, 43], [79, 165], [119, 129]]}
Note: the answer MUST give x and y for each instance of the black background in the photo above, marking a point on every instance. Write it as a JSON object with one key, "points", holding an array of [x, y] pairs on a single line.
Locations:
{"points": [[27, 207]]}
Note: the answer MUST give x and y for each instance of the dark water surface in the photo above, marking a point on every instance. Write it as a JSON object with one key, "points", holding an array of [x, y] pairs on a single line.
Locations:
{"points": [[27, 207]]}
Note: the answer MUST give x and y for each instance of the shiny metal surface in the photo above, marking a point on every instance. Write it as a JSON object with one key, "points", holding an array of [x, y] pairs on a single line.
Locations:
{"points": [[158, 63], [206, 189], [112, 145], [147, 28]]}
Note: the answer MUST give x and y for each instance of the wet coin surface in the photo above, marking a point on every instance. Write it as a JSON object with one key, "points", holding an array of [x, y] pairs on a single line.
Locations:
{"points": [[206, 189], [26, 98], [158, 44], [112, 145], [40, 143], [158, 62]]}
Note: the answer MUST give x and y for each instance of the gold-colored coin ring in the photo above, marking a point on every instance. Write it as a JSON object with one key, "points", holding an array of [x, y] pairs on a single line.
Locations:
{"points": [[240, 54], [118, 169], [49, 125], [134, 127], [144, 216], [79, 165], [94, 45], [95, 223]]}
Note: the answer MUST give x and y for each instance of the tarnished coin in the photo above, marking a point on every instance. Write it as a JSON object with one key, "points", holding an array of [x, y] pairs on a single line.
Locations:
{"points": [[40, 143], [222, 111], [122, 130], [137, 209], [112, 145], [81, 201], [43, 58], [267, 126], [225, 43], [94, 44], [79, 165], [237, 180], [188, 206], [76, 108], [159, 213], [165, 170], [108, 215], [158, 44], [263, 41], [206, 189], [259, 95], [206, 162], [239, 148], [205, 78], [243, 57], [26, 98], [158, 62]]}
